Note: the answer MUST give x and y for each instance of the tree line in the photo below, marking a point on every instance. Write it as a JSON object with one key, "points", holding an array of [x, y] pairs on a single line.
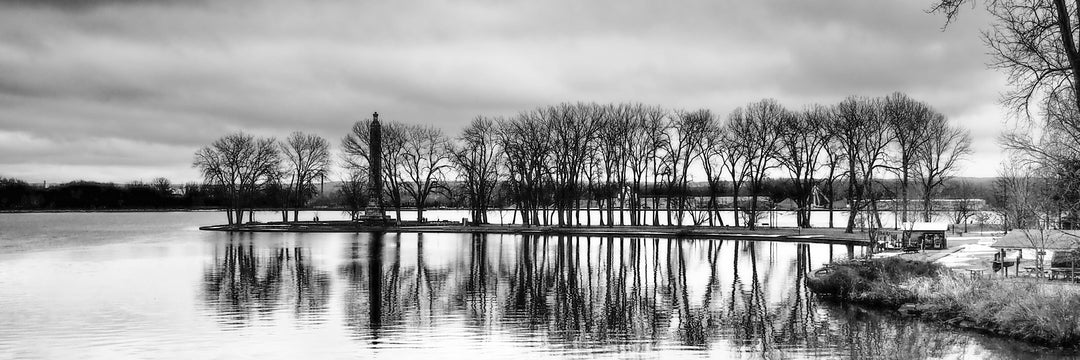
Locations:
{"points": [[553, 161], [87, 195]]}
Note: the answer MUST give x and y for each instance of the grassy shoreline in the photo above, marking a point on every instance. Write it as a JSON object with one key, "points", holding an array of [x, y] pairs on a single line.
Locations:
{"points": [[1032, 310]]}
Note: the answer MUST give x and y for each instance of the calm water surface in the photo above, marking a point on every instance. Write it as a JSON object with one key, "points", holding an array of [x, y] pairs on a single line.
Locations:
{"points": [[150, 285]]}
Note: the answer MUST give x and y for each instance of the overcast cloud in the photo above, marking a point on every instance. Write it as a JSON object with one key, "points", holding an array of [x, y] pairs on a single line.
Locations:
{"points": [[124, 90]]}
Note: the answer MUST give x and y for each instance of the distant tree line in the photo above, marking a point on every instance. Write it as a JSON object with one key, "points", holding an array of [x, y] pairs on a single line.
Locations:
{"points": [[85, 195]]}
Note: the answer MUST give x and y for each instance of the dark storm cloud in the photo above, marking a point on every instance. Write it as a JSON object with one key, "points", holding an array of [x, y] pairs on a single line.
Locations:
{"points": [[92, 82]]}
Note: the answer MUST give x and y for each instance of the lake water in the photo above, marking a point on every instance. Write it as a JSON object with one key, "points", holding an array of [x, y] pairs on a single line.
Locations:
{"points": [[150, 285]]}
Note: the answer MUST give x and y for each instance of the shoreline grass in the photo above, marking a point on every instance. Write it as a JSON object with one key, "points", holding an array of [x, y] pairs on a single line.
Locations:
{"points": [[1032, 310]]}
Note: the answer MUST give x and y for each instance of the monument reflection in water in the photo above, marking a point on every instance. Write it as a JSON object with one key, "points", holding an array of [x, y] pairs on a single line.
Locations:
{"points": [[503, 295]]}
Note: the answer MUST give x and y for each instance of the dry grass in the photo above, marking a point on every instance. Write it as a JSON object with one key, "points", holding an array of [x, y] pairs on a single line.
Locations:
{"points": [[873, 282], [1031, 309]]}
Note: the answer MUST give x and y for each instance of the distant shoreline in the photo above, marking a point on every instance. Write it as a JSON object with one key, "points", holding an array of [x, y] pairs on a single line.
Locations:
{"points": [[50, 211]]}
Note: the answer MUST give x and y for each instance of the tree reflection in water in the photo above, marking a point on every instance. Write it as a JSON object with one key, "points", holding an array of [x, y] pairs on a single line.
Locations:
{"points": [[246, 282], [581, 293]]}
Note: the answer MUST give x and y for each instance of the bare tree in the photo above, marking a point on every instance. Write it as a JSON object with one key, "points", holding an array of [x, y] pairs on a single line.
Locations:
{"points": [[756, 131], [353, 192], [712, 162], [1035, 43], [242, 165], [801, 141], [645, 138], [1030, 202], [425, 157], [864, 137], [573, 129], [963, 205], [835, 157], [308, 158], [939, 158], [909, 120], [684, 147], [615, 152], [479, 159], [736, 162], [526, 143], [162, 185]]}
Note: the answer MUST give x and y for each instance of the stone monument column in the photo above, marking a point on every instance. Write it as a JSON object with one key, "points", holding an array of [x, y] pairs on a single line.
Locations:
{"points": [[374, 208]]}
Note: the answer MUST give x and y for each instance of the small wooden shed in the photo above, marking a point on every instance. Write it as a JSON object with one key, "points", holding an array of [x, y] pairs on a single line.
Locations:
{"points": [[924, 235]]}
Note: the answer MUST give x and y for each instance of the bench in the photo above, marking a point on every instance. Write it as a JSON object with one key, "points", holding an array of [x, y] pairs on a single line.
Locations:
{"points": [[1065, 273], [1036, 271]]}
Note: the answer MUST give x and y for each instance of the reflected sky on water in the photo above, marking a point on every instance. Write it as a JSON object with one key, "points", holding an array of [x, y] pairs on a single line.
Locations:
{"points": [[159, 288]]}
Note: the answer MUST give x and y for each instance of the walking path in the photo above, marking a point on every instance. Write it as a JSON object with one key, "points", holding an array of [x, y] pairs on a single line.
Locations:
{"points": [[964, 254]]}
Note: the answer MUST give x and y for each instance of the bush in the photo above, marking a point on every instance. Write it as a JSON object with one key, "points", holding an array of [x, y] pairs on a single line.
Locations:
{"points": [[872, 282]]}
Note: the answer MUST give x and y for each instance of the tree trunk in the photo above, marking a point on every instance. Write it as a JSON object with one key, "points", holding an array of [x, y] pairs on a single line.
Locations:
{"points": [[904, 197], [735, 201], [752, 220], [832, 195], [926, 205], [853, 208]]}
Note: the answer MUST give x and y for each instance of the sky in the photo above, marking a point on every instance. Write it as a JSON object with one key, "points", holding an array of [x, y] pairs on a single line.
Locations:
{"points": [[126, 90]]}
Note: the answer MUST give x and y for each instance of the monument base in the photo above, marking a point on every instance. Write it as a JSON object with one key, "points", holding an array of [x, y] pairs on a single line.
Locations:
{"points": [[374, 216], [375, 220]]}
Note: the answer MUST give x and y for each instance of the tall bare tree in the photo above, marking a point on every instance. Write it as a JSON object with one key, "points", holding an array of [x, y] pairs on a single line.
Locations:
{"points": [[615, 152], [736, 160], [835, 156], [684, 147], [940, 158], [909, 120], [241, 164], [308, 158], [865, 138], [756, 130], [425, 157], [712, 162], [1036, 43], [573, 129], [801, 141], [648, 124], [526, 143], [478, 159]]}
